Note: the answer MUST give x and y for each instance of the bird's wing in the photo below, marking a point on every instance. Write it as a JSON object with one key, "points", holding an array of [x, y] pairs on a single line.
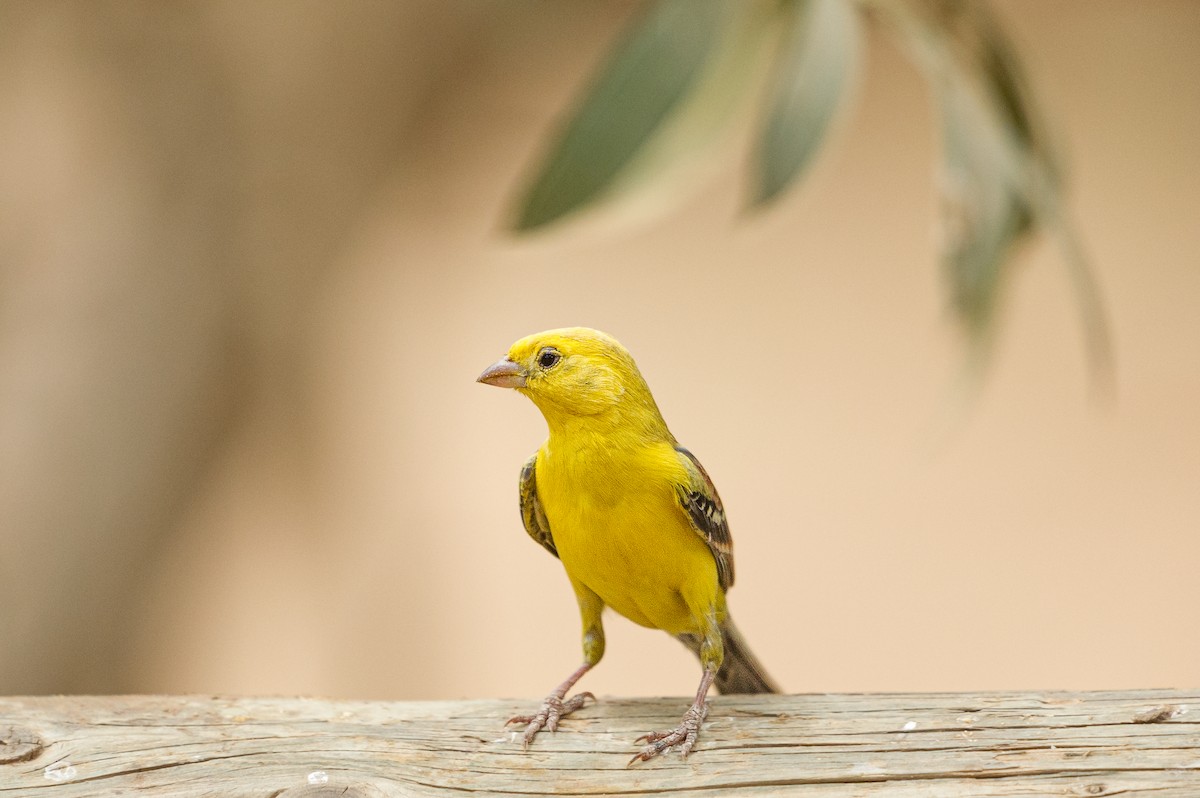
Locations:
{"points": [[532, 513], [698, 497]]}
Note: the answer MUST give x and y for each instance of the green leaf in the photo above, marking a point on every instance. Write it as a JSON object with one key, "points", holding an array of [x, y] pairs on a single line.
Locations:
{"points": [[649, 73], [1000, 181], [981, 46], [812, 72], [988, 160], [984, 213]]}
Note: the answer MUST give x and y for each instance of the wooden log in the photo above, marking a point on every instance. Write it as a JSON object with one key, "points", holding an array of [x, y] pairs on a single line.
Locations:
{"points": [[989, 744]]}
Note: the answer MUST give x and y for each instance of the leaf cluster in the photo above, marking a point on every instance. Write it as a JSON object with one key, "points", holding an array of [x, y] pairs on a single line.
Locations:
{"points": [[685, 70]]}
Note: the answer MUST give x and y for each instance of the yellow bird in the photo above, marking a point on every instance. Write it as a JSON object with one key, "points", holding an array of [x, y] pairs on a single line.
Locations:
{"points": [[633, 516]]}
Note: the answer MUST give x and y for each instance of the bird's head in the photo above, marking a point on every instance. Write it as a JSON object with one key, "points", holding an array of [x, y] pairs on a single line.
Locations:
{"points": [[571, 373]]}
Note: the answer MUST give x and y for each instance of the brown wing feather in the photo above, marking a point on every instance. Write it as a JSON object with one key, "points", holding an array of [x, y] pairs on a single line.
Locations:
{"points": [[532, 514], [699, 498]]}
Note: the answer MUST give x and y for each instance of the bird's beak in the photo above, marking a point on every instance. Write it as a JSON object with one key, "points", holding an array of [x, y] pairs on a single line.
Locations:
{"points": [[503, 374]]}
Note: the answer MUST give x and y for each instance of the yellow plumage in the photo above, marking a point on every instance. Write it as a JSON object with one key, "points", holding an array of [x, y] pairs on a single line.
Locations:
{"points": [[632, 515], [619, 531]]}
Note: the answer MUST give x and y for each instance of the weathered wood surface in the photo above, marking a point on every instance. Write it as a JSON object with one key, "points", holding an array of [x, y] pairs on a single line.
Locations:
{"points": [[991, 744]]}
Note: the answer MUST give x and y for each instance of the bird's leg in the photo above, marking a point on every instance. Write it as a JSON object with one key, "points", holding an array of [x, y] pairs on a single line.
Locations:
{"points": [[684, 735], [712, 653], [554, 707]]}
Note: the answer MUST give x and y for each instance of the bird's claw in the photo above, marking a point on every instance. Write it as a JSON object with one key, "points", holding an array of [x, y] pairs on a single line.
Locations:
{"points": [[552, 711], [684, 735]]}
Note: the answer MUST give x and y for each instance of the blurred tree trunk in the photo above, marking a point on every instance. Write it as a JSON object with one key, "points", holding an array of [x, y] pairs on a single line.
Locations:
{"points": [[175, 181]]}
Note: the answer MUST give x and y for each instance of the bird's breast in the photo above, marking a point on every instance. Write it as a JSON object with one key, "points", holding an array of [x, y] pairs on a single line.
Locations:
{"points": [[619, 530]]}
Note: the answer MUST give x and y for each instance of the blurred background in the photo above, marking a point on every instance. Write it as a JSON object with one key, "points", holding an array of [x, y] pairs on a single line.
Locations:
{"points": [[253, 256]]}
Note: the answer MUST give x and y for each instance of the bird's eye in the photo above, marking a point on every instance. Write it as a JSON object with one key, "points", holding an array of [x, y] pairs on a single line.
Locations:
{"points": [[548, 358]]}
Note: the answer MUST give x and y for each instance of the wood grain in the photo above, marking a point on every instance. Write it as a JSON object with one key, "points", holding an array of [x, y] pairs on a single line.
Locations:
{"points": [[990, 744]]}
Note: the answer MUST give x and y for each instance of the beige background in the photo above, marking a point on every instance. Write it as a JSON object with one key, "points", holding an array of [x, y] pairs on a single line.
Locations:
{"points": [[251, 263]]}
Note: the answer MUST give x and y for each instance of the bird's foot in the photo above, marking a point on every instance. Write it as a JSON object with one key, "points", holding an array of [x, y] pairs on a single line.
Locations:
{"points": [[553, 709], [684, 735]]}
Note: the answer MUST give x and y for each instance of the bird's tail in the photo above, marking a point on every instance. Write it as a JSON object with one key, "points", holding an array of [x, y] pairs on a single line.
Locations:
{"points": [[740, 672]]}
